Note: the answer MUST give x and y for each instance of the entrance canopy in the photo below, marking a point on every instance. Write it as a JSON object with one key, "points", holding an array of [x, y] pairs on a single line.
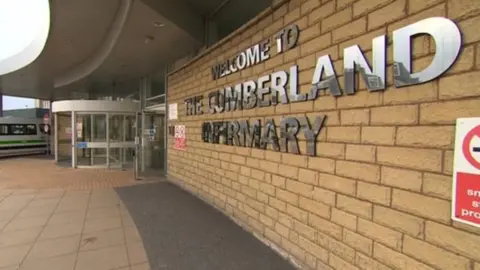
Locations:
{"points": [[95, 133]]}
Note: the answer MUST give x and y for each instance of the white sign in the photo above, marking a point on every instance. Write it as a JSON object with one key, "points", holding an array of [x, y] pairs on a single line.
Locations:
{"points": [[173, 111], [466, 172], [180, 131]]}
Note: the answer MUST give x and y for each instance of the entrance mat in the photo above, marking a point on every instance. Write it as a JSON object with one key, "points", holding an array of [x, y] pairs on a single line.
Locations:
{"points": [[181, 232]]}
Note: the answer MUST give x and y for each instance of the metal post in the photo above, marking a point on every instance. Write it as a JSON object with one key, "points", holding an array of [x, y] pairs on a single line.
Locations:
{"points": [[108, 138], [74, 140], [92, 150], [165, 130], [55, 122]]}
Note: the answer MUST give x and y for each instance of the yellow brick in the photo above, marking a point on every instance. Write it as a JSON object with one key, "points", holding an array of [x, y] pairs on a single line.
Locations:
{"points": [[437, 185], [381, 234], [309, 6], [397, 115], [273, 156], [462, 8], [367, 263], [304, 230], [267, 188], [333, 150], [401, 178], [273, 236], [336, 247], [361, 152], [277, 204], [256, 153], [464, 62], [308, 176], [309, 33], [364, 6], [338, 263], [325, 196], [396, 259], [436, 11], [287, 196], [343, 134], [297, 213], [415, 93], [350, 30], [448, 112], [354, 206], [399, 221], [285, 220], [355, 117], [309, 246], [337, 19], [421, 205], [316, 44], [448, 162], [374, 193], [294, 160], [359, 100], [467, 244], [292, 16], [321, 164], [315, 207], [378, 135], [282, 230], [344, 219], [325, 226], [426, 136], [299, 188], [321, 12], [477, 58], [252, 162], [288, 171], [360, 171], [429, 160], [415, 6], [269, 166], [294, 249], [338, 184], [387, 14], [433, 255], [278, 181], [238, 159], [462, 85], [343, 3], [324, 103], [358, 241], [256, 174], [267, 221]]}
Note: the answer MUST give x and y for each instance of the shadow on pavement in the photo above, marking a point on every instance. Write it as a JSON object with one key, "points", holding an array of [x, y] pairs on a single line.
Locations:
{"points": [[181, 232]]}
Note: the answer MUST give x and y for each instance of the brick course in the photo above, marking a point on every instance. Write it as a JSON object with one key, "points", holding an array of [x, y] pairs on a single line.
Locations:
{"points": [[378, 193]]}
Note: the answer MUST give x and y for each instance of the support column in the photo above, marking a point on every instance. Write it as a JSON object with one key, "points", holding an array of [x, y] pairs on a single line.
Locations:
{"points": [[1, 105], [74, 139]]}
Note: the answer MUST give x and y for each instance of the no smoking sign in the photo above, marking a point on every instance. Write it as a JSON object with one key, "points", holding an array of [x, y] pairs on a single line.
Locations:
{"points": [[466, 175]]}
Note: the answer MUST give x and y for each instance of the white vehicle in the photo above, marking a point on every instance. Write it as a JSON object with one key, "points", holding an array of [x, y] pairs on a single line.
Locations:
{"points": [[22, 136]]}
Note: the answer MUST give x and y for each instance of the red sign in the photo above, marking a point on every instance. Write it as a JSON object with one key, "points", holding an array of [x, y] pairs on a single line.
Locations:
{"points": [[466, 177], [180, 139], [46, 118]]}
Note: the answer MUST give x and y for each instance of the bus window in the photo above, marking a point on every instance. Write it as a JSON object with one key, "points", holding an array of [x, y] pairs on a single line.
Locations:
{"points": [[17, 129], [3, 129], [31, 129]]}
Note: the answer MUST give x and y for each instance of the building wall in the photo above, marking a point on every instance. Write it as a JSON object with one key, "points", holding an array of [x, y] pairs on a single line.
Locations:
{"points": [[378, 193]]}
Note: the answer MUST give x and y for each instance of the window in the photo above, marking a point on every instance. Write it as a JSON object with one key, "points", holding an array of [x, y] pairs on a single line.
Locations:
{"points": [[18, 129], [3, 129], [31, 130]]}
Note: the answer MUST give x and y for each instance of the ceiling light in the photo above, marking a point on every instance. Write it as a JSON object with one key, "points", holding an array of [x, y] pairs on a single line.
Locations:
{"points": [[148, 39], [158, 24]]}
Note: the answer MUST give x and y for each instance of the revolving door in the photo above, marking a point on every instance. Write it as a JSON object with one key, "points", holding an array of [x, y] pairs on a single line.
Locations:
{"points": [[96, 133]]}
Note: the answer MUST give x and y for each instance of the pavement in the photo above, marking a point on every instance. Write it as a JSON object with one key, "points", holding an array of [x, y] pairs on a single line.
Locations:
{"points": [[54, 218]]}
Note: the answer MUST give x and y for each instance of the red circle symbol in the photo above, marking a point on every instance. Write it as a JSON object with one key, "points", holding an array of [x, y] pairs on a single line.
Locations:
{"points": [[466, 148]]}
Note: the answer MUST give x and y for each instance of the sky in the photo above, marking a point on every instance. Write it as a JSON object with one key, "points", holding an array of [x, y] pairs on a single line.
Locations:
{"points": [[11, 103], [15, 39]]}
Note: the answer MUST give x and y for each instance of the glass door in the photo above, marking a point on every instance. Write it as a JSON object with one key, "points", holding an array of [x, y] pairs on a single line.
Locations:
{"points": [[152, 150]]}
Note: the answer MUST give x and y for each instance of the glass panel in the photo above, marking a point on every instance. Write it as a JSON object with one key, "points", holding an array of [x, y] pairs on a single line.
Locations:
{"points": [[116, 128], [99, 133], [64, 133]]}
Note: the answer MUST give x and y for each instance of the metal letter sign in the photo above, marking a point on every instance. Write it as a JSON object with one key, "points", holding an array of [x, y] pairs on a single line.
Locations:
{"points": [[180, 138], [466, 172]]}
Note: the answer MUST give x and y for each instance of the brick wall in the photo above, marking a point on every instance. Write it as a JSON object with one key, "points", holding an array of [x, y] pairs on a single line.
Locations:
{"points": [[378, 193]]}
